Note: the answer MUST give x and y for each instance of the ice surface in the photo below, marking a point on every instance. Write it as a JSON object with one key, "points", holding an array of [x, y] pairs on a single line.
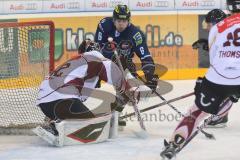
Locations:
{"points": [[128, 146]]}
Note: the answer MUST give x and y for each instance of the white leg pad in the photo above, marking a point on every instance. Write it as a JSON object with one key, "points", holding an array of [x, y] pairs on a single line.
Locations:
{"points": [[83, 131]]}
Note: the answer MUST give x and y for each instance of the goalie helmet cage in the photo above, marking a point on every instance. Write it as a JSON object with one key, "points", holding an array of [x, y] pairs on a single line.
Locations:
{"points": [[26, 57]]}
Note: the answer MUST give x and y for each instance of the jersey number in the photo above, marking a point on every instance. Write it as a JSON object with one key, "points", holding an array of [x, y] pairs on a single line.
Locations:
{"points": [[142, 50], [234, 37], [59, 71]]}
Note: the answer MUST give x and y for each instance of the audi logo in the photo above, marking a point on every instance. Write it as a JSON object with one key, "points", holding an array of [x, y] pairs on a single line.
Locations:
{"points": [[208, 3], [161, 4], [73, 5], [31, 6], [113, 3]]}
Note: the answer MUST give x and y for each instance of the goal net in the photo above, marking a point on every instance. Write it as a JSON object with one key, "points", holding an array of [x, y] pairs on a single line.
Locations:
{"points": [[26, 57]]}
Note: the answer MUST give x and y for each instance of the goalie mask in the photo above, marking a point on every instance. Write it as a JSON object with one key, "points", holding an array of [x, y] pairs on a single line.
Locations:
{"points": [[87, 46]]}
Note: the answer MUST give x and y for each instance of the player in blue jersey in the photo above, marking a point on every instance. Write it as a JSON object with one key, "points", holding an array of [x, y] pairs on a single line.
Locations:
{"points": [[131, 41]]}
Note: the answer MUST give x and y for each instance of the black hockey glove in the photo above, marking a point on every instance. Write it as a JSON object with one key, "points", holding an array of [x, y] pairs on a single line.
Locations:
{"points": [[119, 103], [201, 43], [152, 81], [123, 98]]}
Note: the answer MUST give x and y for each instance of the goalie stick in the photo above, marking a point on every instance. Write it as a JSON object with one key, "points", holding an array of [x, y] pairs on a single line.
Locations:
{"points": [[143, 132], [158, 105]]}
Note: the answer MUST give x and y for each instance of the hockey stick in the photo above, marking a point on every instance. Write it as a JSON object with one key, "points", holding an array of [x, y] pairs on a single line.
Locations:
{"points": [[196, 133], [208, 135], [158, 105], [205, 123], [143, 133]]}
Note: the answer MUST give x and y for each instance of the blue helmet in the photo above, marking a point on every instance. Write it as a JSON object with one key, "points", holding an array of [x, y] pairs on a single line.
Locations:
{"points": [[121, 12]]}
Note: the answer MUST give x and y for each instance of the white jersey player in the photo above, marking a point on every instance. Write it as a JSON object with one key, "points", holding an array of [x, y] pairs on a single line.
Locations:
{"points": [[61, 95], [221, 82], [224, 52], [212, 18]]}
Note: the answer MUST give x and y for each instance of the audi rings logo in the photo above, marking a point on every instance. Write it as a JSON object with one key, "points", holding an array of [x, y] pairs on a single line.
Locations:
{"points": [[161, 3], [73, 5], [31, 6], [208, 3], [113, 3]]}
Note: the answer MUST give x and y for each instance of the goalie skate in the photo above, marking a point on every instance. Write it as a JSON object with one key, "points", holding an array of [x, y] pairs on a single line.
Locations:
{"points": [[46, 135]]}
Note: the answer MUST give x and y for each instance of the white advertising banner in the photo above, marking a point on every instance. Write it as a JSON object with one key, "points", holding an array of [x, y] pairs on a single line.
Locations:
{"points": [[103, 5], [223, 4], [22, 6], [152, 5], [63, 6], [197, 4], [1, 7]]}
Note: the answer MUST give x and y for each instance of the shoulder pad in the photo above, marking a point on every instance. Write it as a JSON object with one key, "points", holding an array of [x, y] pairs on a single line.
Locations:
{"points": [[136, 34], [106, 24]]}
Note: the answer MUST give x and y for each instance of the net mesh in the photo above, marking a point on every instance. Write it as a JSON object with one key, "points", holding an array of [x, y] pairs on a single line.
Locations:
{"points": [[25, 59]]}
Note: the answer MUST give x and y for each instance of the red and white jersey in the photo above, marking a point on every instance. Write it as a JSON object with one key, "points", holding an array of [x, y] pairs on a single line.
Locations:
{"points": [[224, 52], [78, 77]]}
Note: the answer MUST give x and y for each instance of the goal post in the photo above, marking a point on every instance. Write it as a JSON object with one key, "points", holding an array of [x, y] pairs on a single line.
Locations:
{"points": [[26, 57]]}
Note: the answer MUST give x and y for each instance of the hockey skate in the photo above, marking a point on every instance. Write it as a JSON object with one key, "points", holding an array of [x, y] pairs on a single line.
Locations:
{"points": [[218, 123], [47, 132], [169, 151], [51, 128]]}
